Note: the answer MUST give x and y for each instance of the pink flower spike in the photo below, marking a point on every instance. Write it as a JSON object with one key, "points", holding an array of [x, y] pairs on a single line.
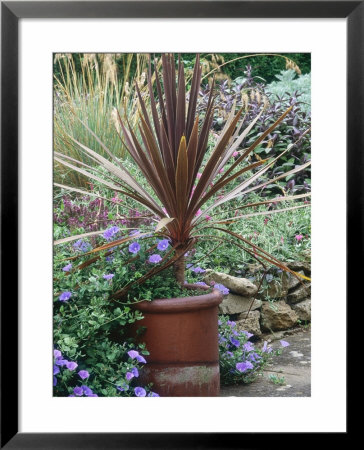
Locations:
{"points": [[207, 217], [221, 170], [282, 240], [235, 154], [199, 175], [198, 212], [299, 237]]}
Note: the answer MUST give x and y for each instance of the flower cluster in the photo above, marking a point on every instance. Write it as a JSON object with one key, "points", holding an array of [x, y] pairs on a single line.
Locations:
{"points": [[240, 360]]}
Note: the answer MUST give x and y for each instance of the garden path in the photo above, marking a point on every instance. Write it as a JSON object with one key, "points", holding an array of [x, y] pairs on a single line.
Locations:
{"points": [[294, 364]]}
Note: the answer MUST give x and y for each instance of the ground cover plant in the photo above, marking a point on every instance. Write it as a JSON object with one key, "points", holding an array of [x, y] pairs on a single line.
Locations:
{"points": [[126, 234]]}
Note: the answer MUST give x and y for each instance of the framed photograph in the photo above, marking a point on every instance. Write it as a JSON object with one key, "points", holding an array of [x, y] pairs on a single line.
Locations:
{"points": [[35, 36]]}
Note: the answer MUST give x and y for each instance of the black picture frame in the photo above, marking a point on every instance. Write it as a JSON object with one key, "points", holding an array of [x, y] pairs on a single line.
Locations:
{"points": [[11, 12]]}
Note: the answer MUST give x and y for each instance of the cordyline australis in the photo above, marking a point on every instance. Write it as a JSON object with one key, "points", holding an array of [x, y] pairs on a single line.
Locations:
{"points": [[169, 151]]}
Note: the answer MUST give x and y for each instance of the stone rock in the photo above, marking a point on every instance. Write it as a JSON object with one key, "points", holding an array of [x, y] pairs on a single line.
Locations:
{"points": [[236, 285], [303, 309], [235, 304], [279, 318], [292, 281], [276, 288], [298, 294], [300, 265], [249, 323]]}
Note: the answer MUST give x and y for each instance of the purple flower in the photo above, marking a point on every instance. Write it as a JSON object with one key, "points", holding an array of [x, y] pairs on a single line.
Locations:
{"points": [[229, 354], [223, 289], [135, 371], [55, 370], [57, 354], [108, 276], [86, 390], [54, 381], [81, 246], [244, 366], [235, 342], [122, 388], [92, 395], [140, 392], [110, 233], [133, 354], [189, 266], [201, 283], [284, 343], [141, 359], [134, 247], [65, 296], [83, 374], [163, 245], [61, 362], [78, 391], [155, 259], [254, 357], [231, 323], [266, 348], [248, 346], [198, 270], [247, 334], [67, 268], [153, 394], [129, 376], [71, 365], [134, 232]]}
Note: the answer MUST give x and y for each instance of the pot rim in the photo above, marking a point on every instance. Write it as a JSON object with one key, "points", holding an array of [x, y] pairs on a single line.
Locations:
{"points": [[181, 304]]}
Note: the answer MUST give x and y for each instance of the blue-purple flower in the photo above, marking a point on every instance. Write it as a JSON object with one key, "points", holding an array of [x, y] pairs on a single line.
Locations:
{"points": [[55, 370], [65, 296], [109, 276], [198, 270], [135, 371], [122, 388], [57, 354], [248, 346], [244, 366], [78, 391], [134, 247], [152, 394], [284, 343], [134, 232], [83, 374], [155, 259], [247, 334], [110, 233], [129, 376], [266, 348], [163, 245], [140, 392], [67, 268], [235, 342], [135, 355], [87, 391], [71, 365], [81, 246], [223, 289], [61, 362]]}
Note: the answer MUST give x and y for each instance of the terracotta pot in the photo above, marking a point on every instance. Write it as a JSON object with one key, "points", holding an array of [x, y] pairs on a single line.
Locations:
{"points": [[181, 335]]}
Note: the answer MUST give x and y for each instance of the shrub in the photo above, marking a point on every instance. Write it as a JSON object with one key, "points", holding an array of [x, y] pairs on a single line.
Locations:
{"points": [[240, 361]]}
